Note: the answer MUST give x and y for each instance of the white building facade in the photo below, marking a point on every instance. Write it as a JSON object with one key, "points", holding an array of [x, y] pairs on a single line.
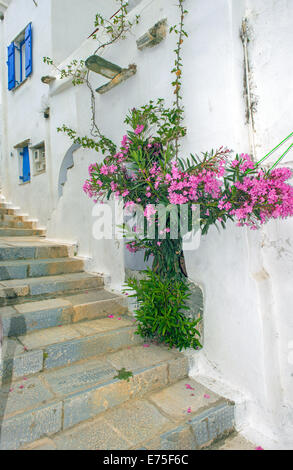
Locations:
{"points": [[246, 277]]}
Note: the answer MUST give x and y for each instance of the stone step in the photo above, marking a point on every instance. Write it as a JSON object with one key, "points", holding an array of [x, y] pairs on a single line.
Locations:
{"points": [[13, 218], [24, 318], [60, 346], [21, 232], [24, 290], [31, 250], [61, 399], [19, 224], [7, 210], [22, 269], [5, 205], [157, 421]]}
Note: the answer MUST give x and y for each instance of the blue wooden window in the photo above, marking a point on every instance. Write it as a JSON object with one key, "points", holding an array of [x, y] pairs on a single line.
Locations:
{"points": [[20, 58], [28, 50], [26, 171], [11, 66]]}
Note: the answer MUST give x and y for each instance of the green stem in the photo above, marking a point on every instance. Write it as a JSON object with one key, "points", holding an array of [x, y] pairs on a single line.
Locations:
{"points": [[274, 149], [281, 157]]}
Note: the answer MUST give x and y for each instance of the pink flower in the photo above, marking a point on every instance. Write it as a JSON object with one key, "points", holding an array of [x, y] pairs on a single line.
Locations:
{"points": [[110, 316], [149, 211], [131, 247], [189, 410], [189, 387], [206, 396], [139, 130]]}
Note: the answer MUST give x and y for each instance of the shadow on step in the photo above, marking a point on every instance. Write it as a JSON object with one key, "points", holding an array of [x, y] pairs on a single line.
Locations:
{"points": [[7, 355]]}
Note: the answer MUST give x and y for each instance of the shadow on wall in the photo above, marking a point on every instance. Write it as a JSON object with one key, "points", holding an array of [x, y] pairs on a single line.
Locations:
{"points": [[9, 328]]}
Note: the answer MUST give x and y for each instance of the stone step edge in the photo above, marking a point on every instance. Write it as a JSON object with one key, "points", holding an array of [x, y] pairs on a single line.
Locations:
{"points": [[83, 401], [34, 361], [24, 290], [35, 261], [67, 250], [67, 314], [30, 268], [198, 431], [18, 300], [185, 435], [22, 232]]}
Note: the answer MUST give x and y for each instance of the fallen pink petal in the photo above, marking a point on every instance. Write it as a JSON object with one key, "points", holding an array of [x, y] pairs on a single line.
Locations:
{"points": [[206, 396], [110, 316], [259, 448], [146, 345], [189, 410], [189, 387]]}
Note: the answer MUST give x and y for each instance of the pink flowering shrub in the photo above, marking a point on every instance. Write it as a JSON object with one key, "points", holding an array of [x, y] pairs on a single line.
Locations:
{"points": [[146, 172]]}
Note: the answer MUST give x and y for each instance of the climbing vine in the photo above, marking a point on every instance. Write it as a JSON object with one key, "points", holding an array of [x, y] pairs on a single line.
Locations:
{"points": [[114, 29], [178, 66]]}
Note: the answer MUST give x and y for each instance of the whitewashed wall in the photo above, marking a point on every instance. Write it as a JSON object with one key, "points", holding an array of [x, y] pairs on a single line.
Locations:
{"points": [[58, 28], [246, 277]]}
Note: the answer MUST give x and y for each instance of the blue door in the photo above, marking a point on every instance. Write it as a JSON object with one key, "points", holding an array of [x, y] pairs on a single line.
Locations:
{"points": [[26, 172]]}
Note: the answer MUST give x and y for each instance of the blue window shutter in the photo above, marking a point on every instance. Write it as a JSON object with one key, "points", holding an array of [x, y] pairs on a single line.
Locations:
{"points": [[26, 172], [28, 51], [11, 66]]}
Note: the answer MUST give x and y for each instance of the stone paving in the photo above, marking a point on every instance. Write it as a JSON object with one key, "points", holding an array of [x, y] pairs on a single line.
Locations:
{"points": [[67, 344]]}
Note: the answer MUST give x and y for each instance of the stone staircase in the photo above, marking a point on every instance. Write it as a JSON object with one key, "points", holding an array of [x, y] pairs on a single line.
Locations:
{"points": [[73, 373]]}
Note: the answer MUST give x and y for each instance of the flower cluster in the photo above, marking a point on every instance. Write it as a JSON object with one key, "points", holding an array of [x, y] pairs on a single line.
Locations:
{"points": [[143, 172]]}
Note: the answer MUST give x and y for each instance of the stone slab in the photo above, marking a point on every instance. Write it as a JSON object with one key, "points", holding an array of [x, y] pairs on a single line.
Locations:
{"points": [[213, 423], [67, 380], [25, 364], [94, 435], [175, 400], [23, 395], [138, 421], [89, 403], [140, 357], [30, 426], [41, 339], [83, 348]]}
